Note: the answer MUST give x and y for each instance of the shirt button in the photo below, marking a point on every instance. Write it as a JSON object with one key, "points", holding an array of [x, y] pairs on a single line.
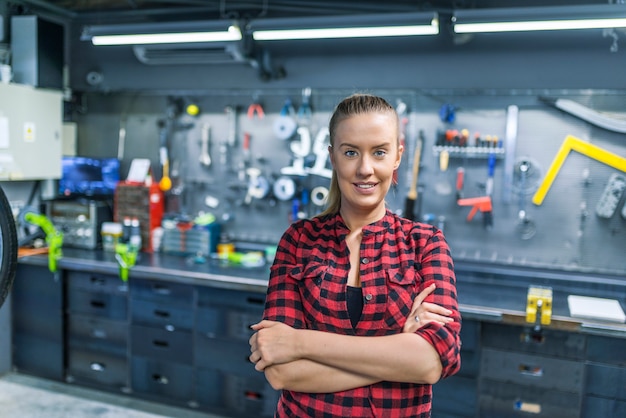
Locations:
{"points": [[368, 296], [365, 260]]}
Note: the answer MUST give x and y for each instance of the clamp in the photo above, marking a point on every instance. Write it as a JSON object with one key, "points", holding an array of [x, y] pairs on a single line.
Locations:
{"points": [[54, 238], [482, 204], [126, 256], [539, 300]]}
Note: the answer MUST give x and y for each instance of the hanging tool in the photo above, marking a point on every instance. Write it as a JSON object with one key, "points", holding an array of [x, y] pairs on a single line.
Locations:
{"points": [[304, 112], [587, 114], [460, 181], [572, 143], [166, 183], [442, 186], [482, 204], [255, 108], [319, 195], [491, 168], [611, 196], [320, 149], [411, 203], [300, 150], [510, 143], [54, 238], [285, 124], [284, 188], [205, 157], [525, 226]]}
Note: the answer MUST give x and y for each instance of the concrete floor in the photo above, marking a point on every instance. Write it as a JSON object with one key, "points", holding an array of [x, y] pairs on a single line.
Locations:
{"points": [[23, 396]]}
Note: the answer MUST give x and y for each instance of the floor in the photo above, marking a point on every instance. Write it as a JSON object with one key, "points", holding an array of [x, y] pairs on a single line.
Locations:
{"points": [[23, 396]]}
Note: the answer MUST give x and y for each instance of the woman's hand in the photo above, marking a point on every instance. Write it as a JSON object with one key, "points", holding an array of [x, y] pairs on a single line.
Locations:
{"points": [[425, 312], [272, 343]]}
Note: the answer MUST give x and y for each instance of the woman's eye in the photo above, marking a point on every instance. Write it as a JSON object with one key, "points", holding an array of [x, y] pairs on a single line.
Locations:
{"points": [[380, 153], [350, 153]]}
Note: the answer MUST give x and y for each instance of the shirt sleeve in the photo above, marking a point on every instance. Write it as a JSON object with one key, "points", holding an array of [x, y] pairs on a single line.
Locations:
{"points": [[435, 264], [283, 302]]}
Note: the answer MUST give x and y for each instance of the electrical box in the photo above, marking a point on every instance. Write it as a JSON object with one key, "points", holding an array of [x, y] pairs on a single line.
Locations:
{"points": [[31, 123]]}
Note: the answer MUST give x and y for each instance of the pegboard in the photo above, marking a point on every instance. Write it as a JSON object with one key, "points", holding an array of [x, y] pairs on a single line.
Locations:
{"points": [[568, 234]]}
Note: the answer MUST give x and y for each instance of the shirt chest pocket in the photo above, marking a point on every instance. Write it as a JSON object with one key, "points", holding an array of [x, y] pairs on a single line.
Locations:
{"points": [[401, 292], [321, 292]]}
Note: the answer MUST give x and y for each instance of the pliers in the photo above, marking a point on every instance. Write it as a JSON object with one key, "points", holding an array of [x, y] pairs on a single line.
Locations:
{"points": [[255, 107]]}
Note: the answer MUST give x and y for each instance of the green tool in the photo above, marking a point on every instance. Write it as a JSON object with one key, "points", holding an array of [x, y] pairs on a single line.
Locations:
{"points": [[54, 238], [126, 256]]}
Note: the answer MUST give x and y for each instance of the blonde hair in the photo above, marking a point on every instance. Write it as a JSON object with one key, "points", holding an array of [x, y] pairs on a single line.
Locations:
{"points": [[353, 105]]}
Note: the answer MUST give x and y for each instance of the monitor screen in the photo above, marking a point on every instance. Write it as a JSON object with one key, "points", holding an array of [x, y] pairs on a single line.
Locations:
{"points": [[84, 176]]}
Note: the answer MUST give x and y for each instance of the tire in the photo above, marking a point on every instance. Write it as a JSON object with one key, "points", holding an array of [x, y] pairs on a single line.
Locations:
{"points": [[8, 248]]}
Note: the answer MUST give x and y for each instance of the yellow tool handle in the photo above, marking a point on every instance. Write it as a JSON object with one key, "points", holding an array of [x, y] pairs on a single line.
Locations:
{"points": [[585, 148]]}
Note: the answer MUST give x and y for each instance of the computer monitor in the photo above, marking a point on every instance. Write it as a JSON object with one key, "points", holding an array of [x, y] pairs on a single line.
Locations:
{"points": [[89, 177]]}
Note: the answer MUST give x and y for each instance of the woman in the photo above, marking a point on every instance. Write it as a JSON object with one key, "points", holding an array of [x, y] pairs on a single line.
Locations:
{"points": [[361, 316]]}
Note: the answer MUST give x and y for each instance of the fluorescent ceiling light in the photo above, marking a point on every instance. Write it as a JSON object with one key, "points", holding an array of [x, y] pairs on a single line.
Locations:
{"points": [[334, 27], [540, 18], [164, 33]]}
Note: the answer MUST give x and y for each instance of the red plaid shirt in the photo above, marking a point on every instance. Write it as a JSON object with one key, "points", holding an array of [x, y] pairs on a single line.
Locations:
{"points": [[307, 289]]}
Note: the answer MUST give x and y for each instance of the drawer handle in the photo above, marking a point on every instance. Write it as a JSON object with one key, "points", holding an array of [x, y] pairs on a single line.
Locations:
{"points": [[255, 301], [98, 281], [530, 370], [160, 343], [533, 408], [162, 314], [98, 333], [161, 290], [97, 304], [160, 379], [97, 367], [252, 395]]}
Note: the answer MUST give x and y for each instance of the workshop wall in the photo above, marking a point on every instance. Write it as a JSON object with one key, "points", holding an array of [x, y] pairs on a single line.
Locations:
{"points": [[564, 232]]}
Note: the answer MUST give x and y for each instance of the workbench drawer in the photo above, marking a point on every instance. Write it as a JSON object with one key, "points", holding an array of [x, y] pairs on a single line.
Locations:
{"points": [[227, 355], [85, 366], [470, 363], [603, 407], [97, 332], [223, 322], [606, 381], [163, 378], [455, 396], [172, 294], [246, 396], [106, 305], [607, 350], [536, 371], [523, 339], [499, 400], [175, 347], [96, 282], [161, 314]]}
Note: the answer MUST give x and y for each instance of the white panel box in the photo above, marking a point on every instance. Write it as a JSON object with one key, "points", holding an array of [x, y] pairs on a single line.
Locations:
{"points": [[31, 132]]}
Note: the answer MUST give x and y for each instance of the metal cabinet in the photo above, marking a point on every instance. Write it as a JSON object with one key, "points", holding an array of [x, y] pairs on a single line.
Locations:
{"points": [[97, 330], [161, 349], [456, 395], [525, 371], [226, 380], [605, 377], [37, 321]]}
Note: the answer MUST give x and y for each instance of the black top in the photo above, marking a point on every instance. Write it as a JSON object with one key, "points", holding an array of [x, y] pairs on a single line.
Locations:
{"points": [[354, 297]]}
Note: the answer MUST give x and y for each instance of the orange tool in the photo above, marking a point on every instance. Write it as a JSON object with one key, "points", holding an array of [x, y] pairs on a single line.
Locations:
{"points": [[255, 107], [482, 204]]}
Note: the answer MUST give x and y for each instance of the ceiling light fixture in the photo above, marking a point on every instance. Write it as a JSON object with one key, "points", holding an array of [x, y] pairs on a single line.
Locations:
{"points": [[539, 18], [162, 33], [334, 27]]}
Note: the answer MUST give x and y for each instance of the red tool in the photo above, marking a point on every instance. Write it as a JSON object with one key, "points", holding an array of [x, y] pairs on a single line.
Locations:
{"points": [[255, 107], [482, 204]]}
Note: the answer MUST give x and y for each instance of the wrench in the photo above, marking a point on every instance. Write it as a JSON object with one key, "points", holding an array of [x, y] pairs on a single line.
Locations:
{"points": [[205, 157]]}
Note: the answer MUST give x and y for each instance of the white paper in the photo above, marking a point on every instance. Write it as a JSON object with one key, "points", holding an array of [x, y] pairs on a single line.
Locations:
{"points": [[4, 132], [138, 171], [595, 308]]}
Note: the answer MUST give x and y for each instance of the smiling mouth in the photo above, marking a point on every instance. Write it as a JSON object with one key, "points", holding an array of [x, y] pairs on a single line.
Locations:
{"points": [[365, 186]]}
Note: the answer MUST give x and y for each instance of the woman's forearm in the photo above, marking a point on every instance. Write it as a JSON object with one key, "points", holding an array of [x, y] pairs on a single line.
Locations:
{"points": [[311, 377]]}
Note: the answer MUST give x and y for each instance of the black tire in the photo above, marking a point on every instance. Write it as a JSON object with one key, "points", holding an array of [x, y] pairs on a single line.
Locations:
{"points": [[8, 247]]}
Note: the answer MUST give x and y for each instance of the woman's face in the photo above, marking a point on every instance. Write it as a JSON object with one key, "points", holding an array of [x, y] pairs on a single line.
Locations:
{"points": [[364, 155]]}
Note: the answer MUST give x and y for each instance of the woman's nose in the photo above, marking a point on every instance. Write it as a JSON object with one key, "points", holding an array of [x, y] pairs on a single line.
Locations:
{"points": [[365, 166]]}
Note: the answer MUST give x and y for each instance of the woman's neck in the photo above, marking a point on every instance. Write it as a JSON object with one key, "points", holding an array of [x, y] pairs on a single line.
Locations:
{"points": [[355, 220]]}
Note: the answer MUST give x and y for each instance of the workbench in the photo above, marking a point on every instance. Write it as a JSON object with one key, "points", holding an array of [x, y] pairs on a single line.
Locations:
{"points": [[177, 332]]}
